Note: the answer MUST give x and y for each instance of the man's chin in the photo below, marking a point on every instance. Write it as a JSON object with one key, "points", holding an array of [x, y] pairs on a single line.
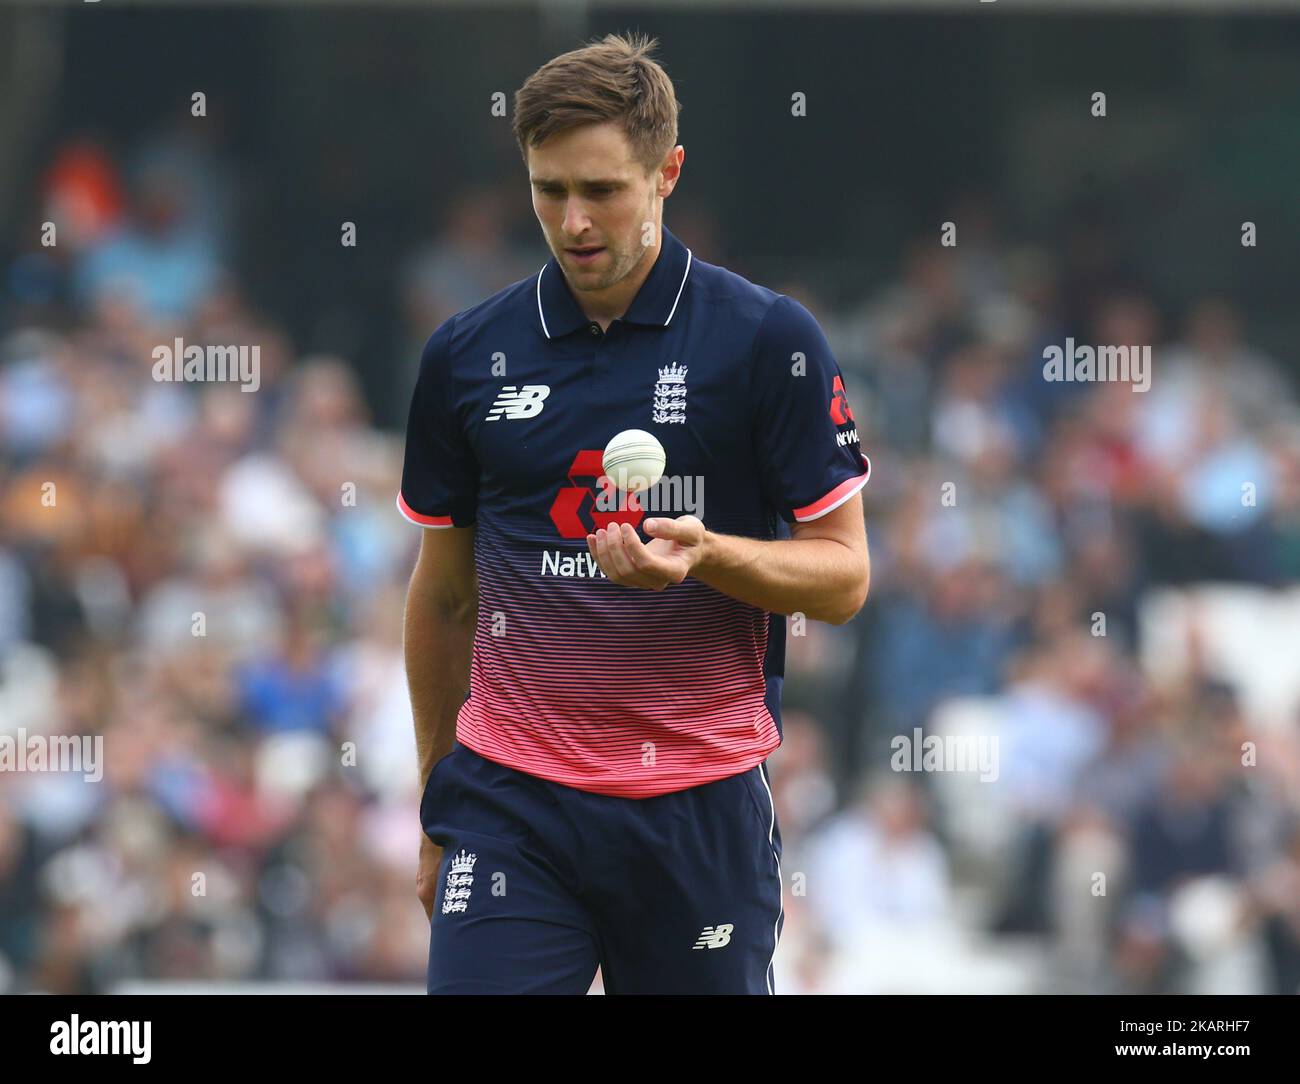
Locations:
{"points": [[593, 278]]}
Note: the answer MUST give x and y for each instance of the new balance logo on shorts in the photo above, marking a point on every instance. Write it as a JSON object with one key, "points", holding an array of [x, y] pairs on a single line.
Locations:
{"points": [[715, 936], [514, 402]]}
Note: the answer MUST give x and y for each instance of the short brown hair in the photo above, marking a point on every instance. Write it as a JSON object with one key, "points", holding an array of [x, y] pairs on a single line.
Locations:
{"points": [[613, 79]]}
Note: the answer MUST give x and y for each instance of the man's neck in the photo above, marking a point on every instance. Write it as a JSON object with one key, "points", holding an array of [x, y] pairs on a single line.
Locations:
{"points": [[609, 308]]}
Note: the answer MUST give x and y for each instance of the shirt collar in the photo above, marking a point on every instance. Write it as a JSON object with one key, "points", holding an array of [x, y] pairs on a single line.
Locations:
{"points": [[654, 304]]}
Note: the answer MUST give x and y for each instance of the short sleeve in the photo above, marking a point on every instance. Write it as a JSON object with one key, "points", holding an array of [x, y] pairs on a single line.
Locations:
{"points": [[440, 474], [806, 439]]}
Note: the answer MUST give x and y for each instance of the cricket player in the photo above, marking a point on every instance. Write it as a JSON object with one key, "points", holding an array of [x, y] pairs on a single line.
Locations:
{"points": [[596, 680]]}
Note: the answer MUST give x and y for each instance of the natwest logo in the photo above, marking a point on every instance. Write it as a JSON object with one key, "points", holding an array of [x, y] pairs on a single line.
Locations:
{"points": [[574, 510], [840, 412]]}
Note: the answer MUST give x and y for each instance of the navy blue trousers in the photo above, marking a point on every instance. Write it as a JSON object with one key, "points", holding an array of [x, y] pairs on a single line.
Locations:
{"points": [[540, 883]]}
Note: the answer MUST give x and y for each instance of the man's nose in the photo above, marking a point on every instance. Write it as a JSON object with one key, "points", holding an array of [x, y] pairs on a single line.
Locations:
{"points": [[576, 219]]}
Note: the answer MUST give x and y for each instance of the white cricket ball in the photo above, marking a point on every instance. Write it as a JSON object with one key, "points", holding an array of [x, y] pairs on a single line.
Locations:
{"points": [[634, 460]]}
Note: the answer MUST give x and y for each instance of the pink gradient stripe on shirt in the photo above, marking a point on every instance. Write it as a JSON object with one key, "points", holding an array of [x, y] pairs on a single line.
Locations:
{"points": [[423, 521], [836, 496]]}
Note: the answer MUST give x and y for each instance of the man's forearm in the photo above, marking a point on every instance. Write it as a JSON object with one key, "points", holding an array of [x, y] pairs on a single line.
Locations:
{"points": [[438, 642], [819, 577]]}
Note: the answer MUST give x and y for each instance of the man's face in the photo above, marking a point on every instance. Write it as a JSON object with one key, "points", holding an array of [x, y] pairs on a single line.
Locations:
{"points": [[589, 193]]}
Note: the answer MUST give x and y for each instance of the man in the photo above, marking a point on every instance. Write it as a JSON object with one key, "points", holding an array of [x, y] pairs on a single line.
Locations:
{"points": [[596, 690]]}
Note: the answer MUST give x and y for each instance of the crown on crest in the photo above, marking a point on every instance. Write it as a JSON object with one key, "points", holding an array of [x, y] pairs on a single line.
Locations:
{"points": [[673, 374], [463, 863]]}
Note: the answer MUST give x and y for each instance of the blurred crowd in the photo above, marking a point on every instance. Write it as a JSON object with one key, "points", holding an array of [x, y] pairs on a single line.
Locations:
{"points": [[213, 581], [1027, 536]]}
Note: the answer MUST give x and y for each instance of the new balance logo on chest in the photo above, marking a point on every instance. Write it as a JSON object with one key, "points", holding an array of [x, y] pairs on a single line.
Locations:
{"points": [[519, 402], [715, 936]]}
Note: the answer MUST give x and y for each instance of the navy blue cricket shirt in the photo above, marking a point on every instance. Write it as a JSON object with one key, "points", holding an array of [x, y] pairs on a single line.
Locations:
{"points": [[611, 689]]}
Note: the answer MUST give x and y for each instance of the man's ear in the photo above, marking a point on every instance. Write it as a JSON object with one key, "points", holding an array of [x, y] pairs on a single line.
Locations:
{"points": [[671, 170]]}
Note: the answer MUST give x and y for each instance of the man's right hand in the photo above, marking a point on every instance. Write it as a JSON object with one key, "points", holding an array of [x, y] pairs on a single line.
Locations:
{"points": [[426, 879]]}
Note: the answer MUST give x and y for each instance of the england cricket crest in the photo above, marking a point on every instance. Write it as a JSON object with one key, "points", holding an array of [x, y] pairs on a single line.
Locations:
{"points": [[670, 396], [460, 879]]}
